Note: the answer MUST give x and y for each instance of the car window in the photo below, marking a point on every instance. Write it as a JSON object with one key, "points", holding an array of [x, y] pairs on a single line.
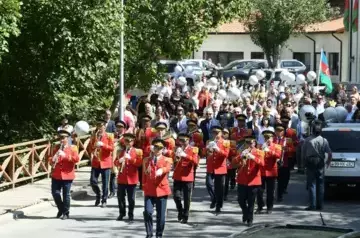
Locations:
{"points": [[167, 68], [288, 64], [343, 141]]}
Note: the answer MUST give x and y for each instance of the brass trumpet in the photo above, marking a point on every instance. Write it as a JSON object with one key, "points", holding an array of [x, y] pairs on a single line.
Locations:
{"points": [[97, 151], [124, 163], [56, 156]]}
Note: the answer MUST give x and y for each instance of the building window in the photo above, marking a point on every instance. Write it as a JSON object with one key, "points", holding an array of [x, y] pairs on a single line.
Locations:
{"points": [[257, 55], [318, 61], [334, 63], [305, 58], [223, 57]]}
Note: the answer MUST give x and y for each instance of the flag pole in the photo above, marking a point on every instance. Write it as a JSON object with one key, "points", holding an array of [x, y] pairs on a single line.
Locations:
{"points": [[318, 76]]}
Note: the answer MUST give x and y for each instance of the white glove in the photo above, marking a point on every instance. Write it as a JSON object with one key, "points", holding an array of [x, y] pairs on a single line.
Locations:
{"points": [[212, 144], [151, 148], [127, 156], [121, 160], [250, 156], [159, 172], [99, 144], [192, 143], [216, 148], [61, 153], [178, 152], [182, 154], [266, 149], [164, 151]]}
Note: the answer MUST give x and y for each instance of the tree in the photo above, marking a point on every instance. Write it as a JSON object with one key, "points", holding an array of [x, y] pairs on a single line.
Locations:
{"points": [[66, 59], [9, 18], [272, 22]]}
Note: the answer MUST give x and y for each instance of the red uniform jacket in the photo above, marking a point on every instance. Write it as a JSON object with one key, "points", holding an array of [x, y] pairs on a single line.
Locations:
{"points": [[232, 154], [270, 168], [249, 171], [197, 141], [184, 168], [129, 174], [65, 166], [150, 134], [216, 162], [156, 186], [103, 159], [290, 148], [170, 146]]}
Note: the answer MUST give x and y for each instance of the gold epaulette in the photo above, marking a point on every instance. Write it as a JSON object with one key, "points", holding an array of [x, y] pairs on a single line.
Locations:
{"points": [[233, 143], [139, 152], [110, 136], [277, 146], [226, 143], [74, 148], [195, 150], [153, 130], [249, 131]]}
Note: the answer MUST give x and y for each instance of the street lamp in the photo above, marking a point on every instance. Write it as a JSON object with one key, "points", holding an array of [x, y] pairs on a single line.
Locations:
{"points": [[121, 83]]}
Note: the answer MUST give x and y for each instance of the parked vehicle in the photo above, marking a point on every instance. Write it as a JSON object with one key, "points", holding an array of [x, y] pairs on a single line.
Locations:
{"points": [[201, 63], [293, 66]]}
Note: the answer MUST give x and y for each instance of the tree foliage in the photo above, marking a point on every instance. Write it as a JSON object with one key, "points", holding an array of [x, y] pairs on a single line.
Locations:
{"points": [[272, 22], [66, 59], [9, 18]]}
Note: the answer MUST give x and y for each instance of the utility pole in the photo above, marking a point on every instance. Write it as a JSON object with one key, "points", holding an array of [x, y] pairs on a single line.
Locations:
{"points": [[121, 82]]}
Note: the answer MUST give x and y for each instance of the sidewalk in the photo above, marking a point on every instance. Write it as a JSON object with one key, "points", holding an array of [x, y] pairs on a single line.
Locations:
{"points": [[39, 192]]}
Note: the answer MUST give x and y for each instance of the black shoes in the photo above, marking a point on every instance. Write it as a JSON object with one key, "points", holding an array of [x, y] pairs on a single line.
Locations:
{"points": [[310, 208], [212, 205], [249, 223], [217, 211], [225, 198], [65, 217], [120, 218], [258, 211], [103, 205], [97, 202], [184, 220], [59, 214], [131, 218], [269, 211], [112, 194], [180, 216]]}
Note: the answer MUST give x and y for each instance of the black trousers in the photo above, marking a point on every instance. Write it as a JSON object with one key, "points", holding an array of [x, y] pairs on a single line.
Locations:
{"points": [[229, 179], [140, 176], [283, 180], [215, 188], [267, 183], [185, 189], [123, 190], [246, 200], [112, 182]]}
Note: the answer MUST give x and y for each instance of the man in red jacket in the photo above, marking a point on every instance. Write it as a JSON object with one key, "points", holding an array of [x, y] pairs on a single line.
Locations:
{"points": [[63, 162], [101, 147], [156, 187], [216, 168], [249, 163], [128, 161], [269, 172], [186, 158]]}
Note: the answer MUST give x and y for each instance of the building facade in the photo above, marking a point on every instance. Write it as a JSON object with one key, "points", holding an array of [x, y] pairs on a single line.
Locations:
{"points": [[231, 42]]}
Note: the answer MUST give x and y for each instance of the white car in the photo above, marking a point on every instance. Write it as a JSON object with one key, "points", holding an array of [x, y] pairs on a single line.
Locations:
{"points": [[344, 170], [203, 64], [293, 66]]}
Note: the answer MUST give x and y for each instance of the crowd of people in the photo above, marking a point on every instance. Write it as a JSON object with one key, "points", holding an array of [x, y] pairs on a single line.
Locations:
{"points": [[253, 139]]}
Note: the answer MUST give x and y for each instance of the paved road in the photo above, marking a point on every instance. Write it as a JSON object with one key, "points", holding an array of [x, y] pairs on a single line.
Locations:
{"points": [[90, 222]]}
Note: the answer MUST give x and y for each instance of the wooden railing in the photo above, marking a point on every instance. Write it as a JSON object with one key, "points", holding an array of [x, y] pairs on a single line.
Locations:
{"points": [[28, 161]]}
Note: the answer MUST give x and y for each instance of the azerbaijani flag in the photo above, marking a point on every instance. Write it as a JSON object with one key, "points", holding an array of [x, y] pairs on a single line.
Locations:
{"points": [[324, 73], [355, 16], [346, 15]]}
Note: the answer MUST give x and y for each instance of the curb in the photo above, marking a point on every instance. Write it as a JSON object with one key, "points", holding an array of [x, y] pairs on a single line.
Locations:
{"points": [[38, 206]]}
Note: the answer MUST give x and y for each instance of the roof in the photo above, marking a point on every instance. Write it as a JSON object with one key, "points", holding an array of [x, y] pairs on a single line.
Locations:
{"points": [[332, 26]]}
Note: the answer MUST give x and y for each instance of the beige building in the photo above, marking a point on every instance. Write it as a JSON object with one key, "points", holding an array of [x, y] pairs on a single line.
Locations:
{"points": [[232, 42]]}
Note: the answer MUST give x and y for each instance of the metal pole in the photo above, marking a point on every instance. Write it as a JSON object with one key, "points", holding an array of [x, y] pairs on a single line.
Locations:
{"points": [[121, 82]]}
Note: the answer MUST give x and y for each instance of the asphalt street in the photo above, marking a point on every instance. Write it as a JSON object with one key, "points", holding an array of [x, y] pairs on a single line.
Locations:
{"points": [[90, 222]]}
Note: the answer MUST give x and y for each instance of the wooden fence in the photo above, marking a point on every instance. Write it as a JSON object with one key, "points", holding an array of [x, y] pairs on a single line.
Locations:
{"points": [[28, 161]]}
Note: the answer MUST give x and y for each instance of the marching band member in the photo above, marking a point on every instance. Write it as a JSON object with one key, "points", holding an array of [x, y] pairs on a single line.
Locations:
{"points": [[119, 144], [218, 151], [231, 171], [186, 158], [196, 139], [156, 187], [128, 161], [63, 174], [249, 164], [161, 128], [269, 172], [286, 138], [101, 146], [237, 136], [143, 139]]}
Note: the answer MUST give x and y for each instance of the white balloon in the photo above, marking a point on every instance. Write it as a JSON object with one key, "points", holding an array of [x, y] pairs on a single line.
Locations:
{"points": [[213, 81], [330, 114], [178, 69], [305, 109], [234, 94], [181, 81], [189, 69], [222, 94], [82, 128], [290, 79], [283, 75], [253, 80], [311, 76], [198, 86], [341, 114], [260, 74], [300, 79]]}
